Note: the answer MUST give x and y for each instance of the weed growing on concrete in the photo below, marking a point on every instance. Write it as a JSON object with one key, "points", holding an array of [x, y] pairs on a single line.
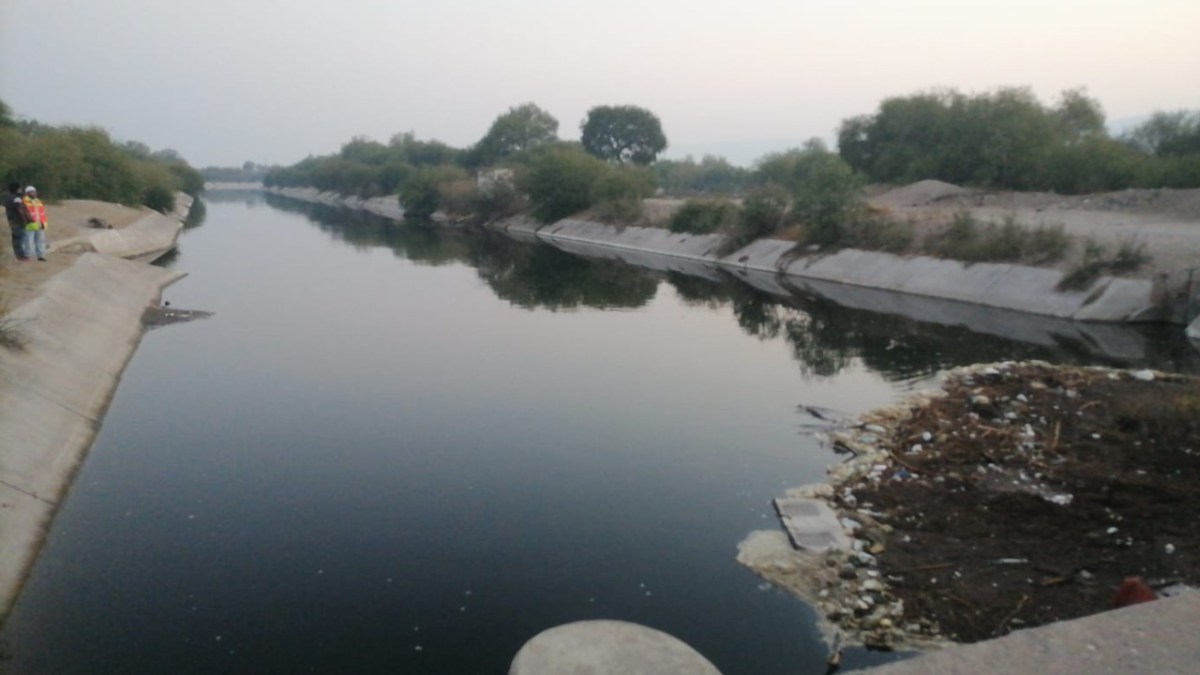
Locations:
{"points": [[12, 336], [1130, 256]]}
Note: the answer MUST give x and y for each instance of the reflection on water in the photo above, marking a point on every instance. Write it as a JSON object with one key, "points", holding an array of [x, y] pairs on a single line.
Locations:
{"points": [[405, 449], [825, 337]]}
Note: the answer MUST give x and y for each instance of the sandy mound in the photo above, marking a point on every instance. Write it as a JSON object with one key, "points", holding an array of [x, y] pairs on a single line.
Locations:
{"points": [[921, 193]]}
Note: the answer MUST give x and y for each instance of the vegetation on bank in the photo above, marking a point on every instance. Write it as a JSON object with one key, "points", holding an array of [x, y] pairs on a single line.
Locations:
{"points": [[1004, 139], [85, 163]]}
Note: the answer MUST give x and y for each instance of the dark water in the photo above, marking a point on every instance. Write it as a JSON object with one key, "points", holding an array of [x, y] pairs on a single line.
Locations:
{"points": [[405, 450]]}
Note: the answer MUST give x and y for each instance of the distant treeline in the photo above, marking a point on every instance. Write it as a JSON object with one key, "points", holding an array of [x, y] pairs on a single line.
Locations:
{"points": [[1004, 139], [1008, 140], [84, 163], [248, 172]]}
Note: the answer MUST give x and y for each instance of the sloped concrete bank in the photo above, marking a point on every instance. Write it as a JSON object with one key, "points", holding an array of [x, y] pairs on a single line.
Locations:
{"points": [[81, 327], [1017, 288]]}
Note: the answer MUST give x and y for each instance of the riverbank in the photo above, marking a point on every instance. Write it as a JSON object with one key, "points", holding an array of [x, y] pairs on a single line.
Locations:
{"points": [[1017, 495], [79, 318], [1010, 287]]}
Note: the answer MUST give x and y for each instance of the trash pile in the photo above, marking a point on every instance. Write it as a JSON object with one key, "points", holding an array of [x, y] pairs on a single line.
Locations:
{"points": [[1018, 495]]}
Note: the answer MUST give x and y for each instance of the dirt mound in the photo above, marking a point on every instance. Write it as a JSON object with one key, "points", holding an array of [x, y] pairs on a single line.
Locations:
{"points": [[921, 193]]}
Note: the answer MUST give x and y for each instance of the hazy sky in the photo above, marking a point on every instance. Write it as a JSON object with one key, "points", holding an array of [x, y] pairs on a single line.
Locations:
{"points": [[225, 81]]}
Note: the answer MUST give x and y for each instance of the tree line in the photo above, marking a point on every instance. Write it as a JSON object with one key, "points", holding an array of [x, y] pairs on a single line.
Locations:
{"points": [[71, 162], [1005, 139]]}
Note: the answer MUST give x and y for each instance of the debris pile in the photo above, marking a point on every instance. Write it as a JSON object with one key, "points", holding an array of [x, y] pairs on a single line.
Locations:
{"points": [[1018, 495]]}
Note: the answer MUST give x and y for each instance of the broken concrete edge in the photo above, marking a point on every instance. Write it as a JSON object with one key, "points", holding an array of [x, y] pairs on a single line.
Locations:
{"points": [[605, 646], [1019, 288], [81, 330]]}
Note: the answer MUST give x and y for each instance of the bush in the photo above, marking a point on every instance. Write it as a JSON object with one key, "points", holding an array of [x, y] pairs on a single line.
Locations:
{"points": [[436, 187], [704, 216], [880, 234], [764, 211], [619, 192], [826, 193], [970, 241], [560, 180]]}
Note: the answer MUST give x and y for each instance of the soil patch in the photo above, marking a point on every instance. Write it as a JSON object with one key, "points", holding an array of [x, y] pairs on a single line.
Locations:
{"points": [[1023, 494]]}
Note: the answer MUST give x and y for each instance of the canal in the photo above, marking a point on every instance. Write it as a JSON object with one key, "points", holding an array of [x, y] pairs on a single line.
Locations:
{"points": [[397, 449]]}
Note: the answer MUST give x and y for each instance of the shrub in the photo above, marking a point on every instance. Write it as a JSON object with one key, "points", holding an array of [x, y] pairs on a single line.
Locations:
{"points": [[702, 216], [971, 241], [1129, 257], [12, 337], [560, 180], [431, 188], [764, 211], [874, 233], [619, 192], [826, 193]]}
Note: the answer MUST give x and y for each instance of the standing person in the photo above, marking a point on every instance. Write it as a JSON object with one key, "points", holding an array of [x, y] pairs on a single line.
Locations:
{"points": [[35, 230], [18, 218]]}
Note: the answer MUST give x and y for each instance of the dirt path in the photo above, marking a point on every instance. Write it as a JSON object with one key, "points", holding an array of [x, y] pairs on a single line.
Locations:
{"points": [[68, 219], [1167, 222]]}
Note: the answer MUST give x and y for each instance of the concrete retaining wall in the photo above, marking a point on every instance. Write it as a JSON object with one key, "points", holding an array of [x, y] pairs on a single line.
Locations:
{"points": [[1018, 288], [80, 330], [143, 240]]}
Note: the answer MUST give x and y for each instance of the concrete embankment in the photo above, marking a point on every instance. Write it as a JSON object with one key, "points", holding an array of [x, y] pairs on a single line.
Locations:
{"points": [[1016, 288], [80, 320]]}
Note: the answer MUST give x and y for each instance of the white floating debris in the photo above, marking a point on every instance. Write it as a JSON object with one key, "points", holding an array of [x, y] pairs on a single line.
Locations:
{"points": [[1061, 499], [1144, 375], [1111, 530], [926, 436], [1169, 549]]}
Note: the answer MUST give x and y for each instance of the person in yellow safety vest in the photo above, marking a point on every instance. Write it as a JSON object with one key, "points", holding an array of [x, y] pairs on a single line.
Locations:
{"points": [[35, 231]]}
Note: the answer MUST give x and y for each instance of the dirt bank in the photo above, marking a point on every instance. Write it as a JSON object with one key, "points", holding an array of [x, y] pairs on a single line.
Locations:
{"points": [[69, 220], [1166, 221]]}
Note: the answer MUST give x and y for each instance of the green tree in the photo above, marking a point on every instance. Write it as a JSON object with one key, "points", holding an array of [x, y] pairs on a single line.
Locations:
{"points": [[1080, 115], [521, 128], [6, 116], [560, 180], [623, 134], [1168, 134], [431, 188], [825, 191]]}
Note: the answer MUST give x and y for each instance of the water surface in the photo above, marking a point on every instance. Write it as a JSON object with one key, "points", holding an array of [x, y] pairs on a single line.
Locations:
{"points": [[404, 450]]}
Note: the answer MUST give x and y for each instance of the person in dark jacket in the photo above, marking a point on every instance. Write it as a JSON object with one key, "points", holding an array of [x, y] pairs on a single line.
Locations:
{"points": [[18, 218]]}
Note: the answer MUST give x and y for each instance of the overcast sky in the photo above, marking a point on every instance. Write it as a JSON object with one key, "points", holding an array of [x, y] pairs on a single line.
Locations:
{"points": [[270, 81]]}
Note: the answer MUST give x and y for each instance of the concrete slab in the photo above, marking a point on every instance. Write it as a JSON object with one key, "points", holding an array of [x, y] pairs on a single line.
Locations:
{"points": [[764, 255], [1153, 637], [811, 525], [81, 330], [608, 648]]}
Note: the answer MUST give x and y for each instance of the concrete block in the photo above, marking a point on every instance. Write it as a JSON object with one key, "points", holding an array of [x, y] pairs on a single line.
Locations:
{"points": [[811, 525], [608, 648]]}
